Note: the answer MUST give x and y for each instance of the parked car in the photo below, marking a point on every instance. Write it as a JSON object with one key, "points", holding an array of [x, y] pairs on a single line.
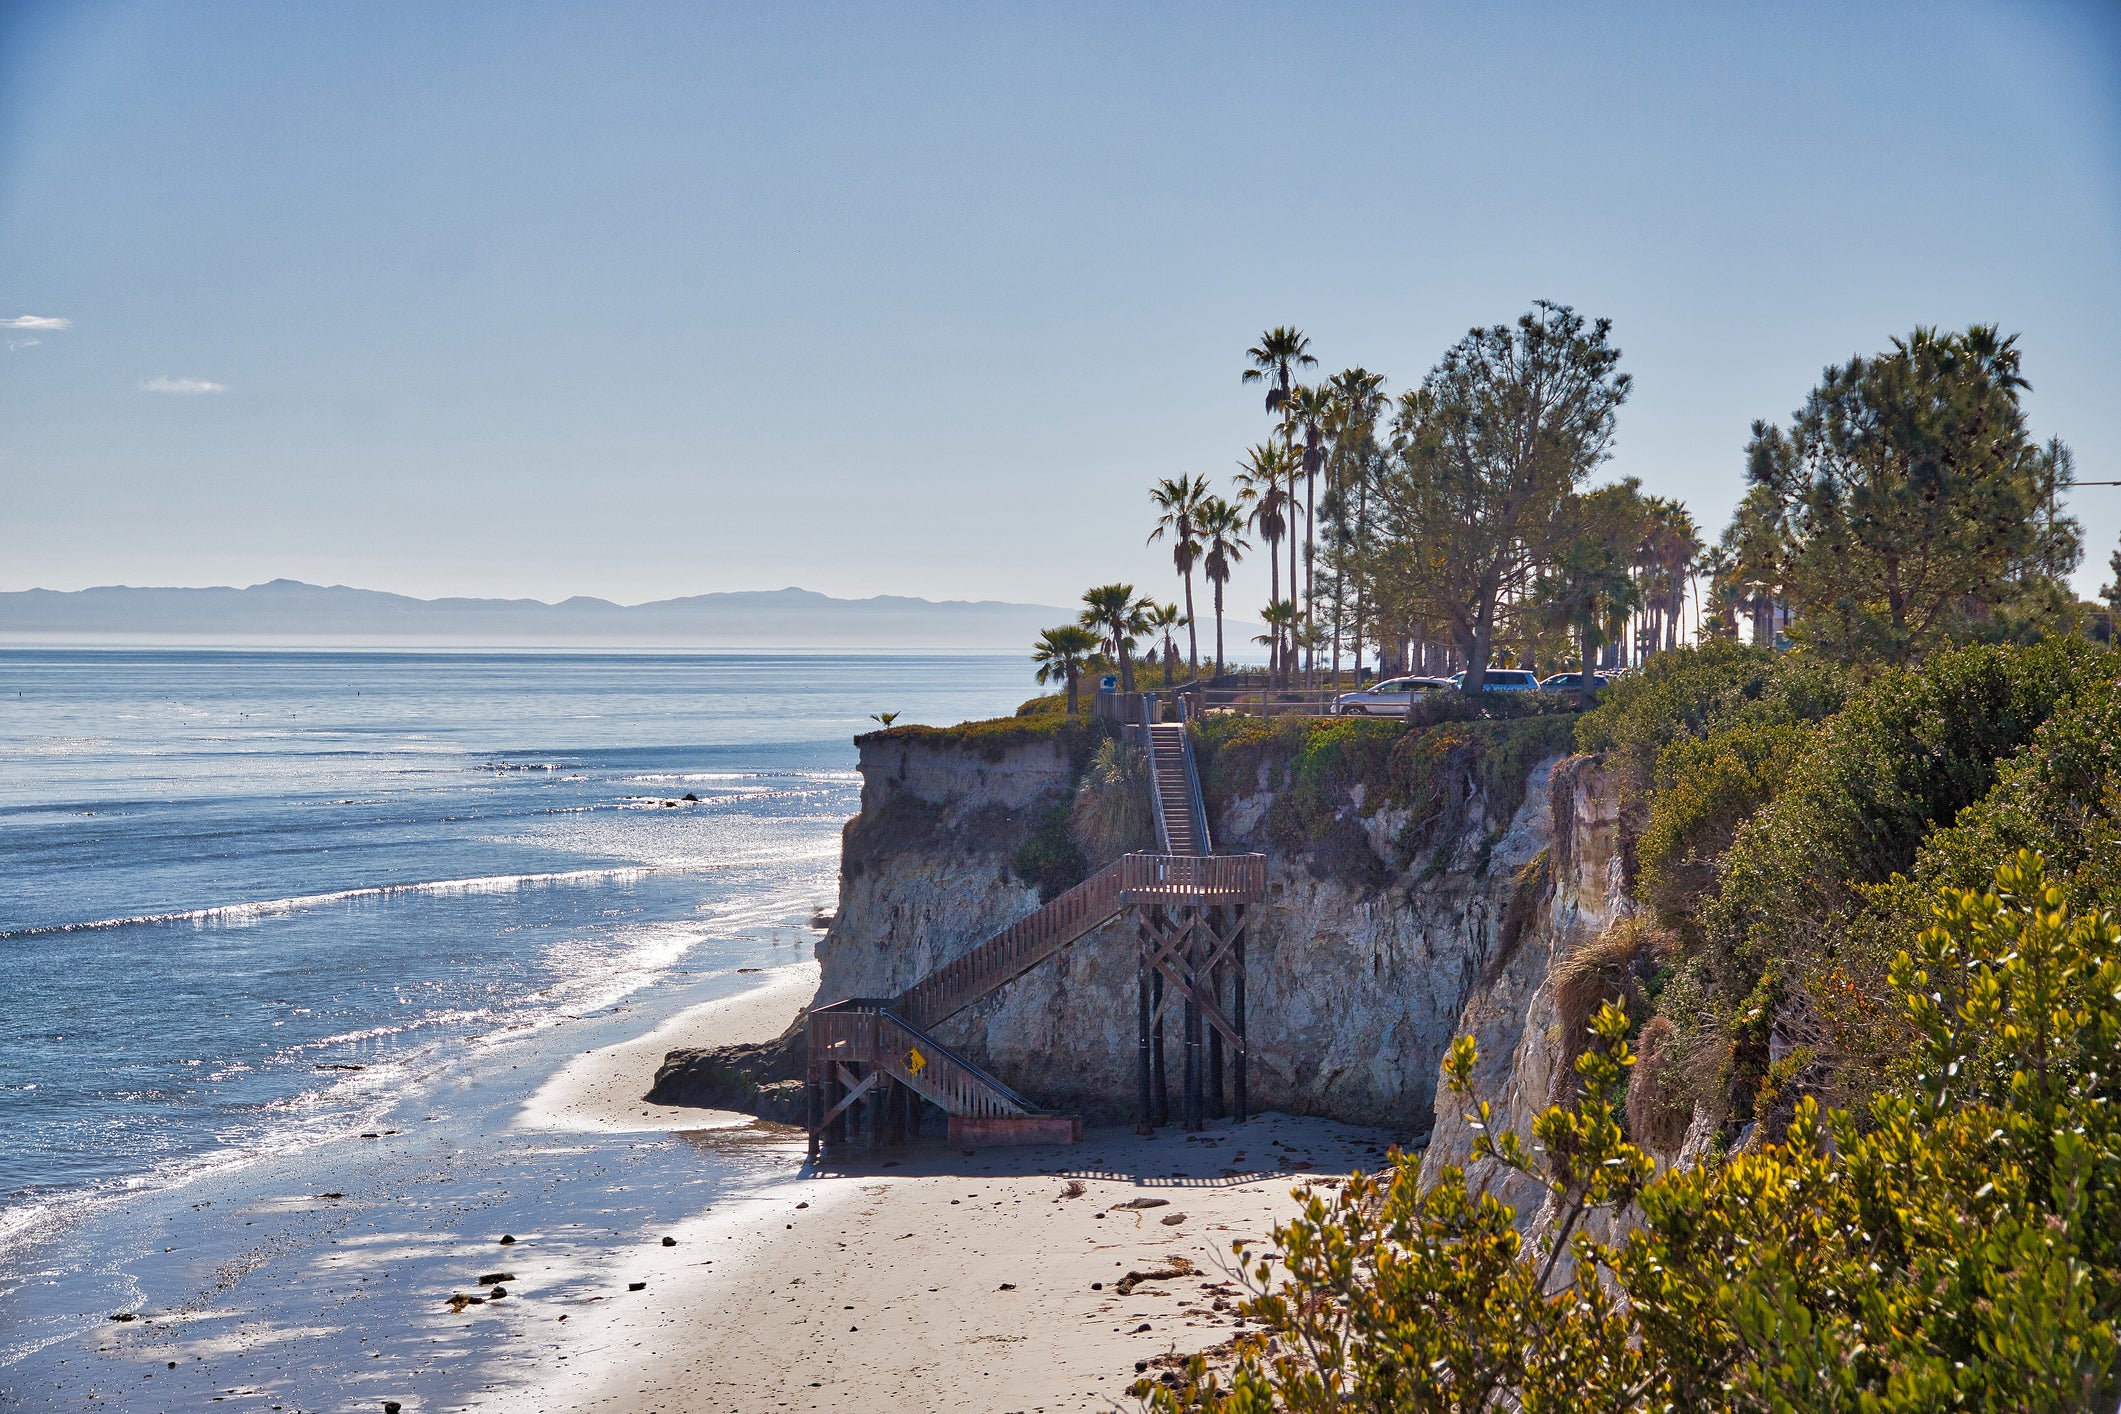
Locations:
{"points": [[1502, 680], [1571, 682], [1387, 699]]}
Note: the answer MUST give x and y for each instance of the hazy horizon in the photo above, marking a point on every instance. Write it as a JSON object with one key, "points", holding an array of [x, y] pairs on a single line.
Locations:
{"points": [[547, 300]]}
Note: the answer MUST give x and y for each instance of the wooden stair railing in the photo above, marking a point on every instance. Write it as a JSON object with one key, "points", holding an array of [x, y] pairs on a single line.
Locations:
{"points": [[864, 1033], [1015, 950], [1024, 944]]}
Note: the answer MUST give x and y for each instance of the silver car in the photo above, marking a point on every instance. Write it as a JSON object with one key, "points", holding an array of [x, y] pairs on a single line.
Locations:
{"points": [[1387, 699], [1502, 680]]}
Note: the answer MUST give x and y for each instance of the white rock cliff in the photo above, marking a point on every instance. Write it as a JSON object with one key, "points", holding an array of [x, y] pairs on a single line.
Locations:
{"points": [[1356, 989]]}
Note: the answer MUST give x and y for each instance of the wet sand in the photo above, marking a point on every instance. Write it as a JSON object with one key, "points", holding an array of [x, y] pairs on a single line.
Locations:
{"points": [[937, 1280], [925, 1278], [600, 1091]]}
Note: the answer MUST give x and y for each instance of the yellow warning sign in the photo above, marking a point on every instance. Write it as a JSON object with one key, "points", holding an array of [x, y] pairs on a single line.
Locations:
{"points": [[915, 1061]]}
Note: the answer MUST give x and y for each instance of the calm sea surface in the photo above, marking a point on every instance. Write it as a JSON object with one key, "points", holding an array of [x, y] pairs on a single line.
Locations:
{"points": [[251, 902]]}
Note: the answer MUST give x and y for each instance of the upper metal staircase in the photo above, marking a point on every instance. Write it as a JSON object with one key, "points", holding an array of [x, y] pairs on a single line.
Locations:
{"points": [[1174, 784]]}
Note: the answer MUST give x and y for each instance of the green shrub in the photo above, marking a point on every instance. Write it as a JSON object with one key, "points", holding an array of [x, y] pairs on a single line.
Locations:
{"points": [[1961, 1249], [1704, 789], [2060, 797], [1111, 814], [1686, 696], [1439, 772], [1330, 773], [1050, 860], [1680, 694], [996, 737], [1908, 753]]}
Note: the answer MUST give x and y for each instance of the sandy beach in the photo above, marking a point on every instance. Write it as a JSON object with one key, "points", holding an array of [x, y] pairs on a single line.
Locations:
{"points": [[927, 1278], [662, 1259]]}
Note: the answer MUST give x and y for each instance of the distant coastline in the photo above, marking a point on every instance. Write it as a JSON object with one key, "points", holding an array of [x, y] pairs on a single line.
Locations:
{"points": [[287, 613]]}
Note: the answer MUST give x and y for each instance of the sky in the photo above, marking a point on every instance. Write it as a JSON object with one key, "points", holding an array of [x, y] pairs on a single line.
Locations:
{"points": [[640, 301]]}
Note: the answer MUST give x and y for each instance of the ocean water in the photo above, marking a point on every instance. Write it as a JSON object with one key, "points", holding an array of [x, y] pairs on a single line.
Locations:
{"points": [[254, 905]]}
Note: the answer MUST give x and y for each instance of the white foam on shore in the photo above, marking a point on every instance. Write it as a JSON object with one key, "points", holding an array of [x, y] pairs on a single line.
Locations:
{"points": [[600, 1090], [237, 914]]}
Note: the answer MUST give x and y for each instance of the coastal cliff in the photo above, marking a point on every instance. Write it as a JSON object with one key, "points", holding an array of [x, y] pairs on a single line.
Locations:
{"points": [[1515, 1012], [1418, 884]]}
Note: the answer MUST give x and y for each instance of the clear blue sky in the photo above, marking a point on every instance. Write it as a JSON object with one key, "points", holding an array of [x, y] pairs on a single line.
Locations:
{"points": [[642, 300]]}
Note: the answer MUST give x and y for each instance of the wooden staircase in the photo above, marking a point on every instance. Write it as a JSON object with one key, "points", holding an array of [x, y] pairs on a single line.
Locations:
{"points": [[860, 1049]]}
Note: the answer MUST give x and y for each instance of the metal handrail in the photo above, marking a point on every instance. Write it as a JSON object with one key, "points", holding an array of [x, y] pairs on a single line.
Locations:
{"points": [[1156, 793], [1195, 799]]}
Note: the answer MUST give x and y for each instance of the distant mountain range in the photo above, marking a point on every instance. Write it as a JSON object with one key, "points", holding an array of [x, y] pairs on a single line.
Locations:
{"points": [[288, 612]]}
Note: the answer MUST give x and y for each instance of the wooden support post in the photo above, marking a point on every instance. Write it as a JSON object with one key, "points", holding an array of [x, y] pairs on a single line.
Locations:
{"points": [[1214, 981], [1192, 1024], [1237, 959], [1160, 1090], [1144, 1109], [814, 1105]]}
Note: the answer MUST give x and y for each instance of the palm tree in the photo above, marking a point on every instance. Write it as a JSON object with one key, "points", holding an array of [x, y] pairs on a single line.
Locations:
{"points": [[1756, 543], [1589, 592], [1221, 526], [1357, 402], [1162, 620], [1309, 408], [1725, 598], [1673, 544], [1281, 618], [1275, 359], [1178, 498], [1259, 488], [1113, 611], [1062, 654]]}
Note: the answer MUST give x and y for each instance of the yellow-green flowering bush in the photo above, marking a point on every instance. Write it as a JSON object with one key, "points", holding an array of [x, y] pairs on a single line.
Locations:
{"points": [[1959, 1248]]}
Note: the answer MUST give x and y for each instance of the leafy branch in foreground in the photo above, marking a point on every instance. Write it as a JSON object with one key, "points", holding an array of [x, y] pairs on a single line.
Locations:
{"points": [[1958, 1249]]}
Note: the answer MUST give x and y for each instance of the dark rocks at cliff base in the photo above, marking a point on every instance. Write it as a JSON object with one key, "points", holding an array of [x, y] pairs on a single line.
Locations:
{"points": [[765, 1079]]}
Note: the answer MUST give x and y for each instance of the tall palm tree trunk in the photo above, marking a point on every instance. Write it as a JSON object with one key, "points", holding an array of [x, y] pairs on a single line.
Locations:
{"points": [[1288, 665], [1218, 628], [1273, 593], [1192, 628], [1310, 569], [1362, 547]]}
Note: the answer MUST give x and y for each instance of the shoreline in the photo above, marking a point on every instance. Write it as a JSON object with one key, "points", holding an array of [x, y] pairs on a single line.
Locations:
{"points": [[978, 1279], [926, 1277], [599, 1091]]}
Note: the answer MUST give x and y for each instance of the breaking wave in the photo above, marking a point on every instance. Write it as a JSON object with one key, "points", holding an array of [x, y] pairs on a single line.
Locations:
{"points": [[238, 914]]}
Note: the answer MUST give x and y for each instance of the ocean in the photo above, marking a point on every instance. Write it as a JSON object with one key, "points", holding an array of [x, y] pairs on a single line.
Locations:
{"points": [[256, 905]]}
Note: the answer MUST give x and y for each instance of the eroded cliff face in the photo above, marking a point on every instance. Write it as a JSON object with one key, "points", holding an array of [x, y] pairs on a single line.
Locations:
{"points": [[1571, 895], [1356, 987]]}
